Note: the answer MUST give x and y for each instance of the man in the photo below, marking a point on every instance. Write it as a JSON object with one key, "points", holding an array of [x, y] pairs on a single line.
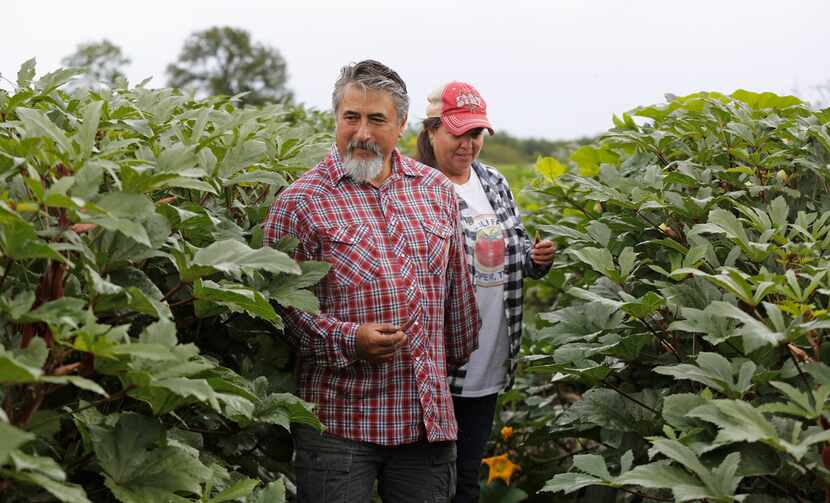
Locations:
{"points": [[396, 307]]}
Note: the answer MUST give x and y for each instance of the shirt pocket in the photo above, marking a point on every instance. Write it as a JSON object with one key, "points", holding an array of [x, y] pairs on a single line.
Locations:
{"points": [[353, 254], [437, 244]]}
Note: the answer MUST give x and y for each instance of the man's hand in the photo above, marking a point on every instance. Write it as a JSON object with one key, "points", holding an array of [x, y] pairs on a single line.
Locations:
{"points": [[378, 342], [542, 252]]}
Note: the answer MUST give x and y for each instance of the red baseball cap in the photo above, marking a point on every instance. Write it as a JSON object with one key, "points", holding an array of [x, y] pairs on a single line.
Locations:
{"points": [[460, 107]]}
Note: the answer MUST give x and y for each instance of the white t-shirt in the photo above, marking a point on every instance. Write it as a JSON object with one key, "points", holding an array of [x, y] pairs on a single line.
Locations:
{"points": [[487, 368]]}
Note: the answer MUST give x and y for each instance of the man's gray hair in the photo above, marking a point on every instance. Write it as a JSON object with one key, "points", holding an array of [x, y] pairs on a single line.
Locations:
{"points": [[371, 74]]}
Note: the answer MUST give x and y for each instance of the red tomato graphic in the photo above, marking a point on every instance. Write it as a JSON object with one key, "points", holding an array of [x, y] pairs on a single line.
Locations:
{"points": [[490, 251]]}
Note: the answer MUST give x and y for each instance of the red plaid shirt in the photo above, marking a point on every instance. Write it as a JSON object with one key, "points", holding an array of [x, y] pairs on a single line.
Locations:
{"points": [[396, 257]]}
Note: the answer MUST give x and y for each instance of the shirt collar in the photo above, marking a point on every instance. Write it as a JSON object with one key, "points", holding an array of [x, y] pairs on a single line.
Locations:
{"points": [[400, 164], [480, 171]]}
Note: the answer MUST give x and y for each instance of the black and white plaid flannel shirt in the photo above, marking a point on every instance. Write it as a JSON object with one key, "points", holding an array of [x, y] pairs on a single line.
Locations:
{"points": [[517, 262]]}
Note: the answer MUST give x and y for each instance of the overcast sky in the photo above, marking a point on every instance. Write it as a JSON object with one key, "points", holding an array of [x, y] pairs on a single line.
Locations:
{"points": [[555, 69]]}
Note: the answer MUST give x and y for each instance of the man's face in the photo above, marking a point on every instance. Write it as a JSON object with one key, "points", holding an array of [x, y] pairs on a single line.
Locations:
{"points": [[367, 116]]}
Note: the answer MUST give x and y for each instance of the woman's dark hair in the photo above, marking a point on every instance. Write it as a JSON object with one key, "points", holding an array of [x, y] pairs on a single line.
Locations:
{"points": [[425, 153]]}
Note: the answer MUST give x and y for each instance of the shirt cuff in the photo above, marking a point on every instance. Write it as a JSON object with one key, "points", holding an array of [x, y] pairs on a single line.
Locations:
{"points": [[536, 271], [343, 345]]}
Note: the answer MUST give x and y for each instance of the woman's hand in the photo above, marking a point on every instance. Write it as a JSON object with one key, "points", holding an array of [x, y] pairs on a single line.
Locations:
{"points": [[542, 252]]}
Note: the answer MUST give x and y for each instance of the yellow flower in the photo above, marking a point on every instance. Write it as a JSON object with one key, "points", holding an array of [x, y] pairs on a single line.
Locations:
{"points": [[506, 432], [500, 468]]}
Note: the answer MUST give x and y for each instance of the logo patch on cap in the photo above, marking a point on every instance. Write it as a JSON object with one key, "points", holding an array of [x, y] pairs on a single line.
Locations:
{"points": [[470, 101]]}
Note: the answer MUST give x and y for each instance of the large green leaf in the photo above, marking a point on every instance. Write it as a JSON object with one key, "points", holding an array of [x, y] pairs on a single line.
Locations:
{"points": [[714, 328], [592, 464], [133, 230], [126, 205], [140, 468], [272, 493], [600, 259], [37, 123], [26, 73], [714, 371], [645, 305], [588, 159], [662, 475], [89, 128], [19, 241], [738, 421], [755, 332], [270, 178], [610, 410], [77, 381], [15, 307], [234, 256], [677, 406], [23, 365], [62, 491], [570, 482], [301, 299], [240, 489], [11, 438], [64, 311], [800, 403], [283, 409], [237, 298]]}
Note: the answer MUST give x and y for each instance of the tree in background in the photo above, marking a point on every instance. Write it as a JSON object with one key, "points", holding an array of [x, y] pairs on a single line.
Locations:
{"points": [[103, 61], [223, 60]]}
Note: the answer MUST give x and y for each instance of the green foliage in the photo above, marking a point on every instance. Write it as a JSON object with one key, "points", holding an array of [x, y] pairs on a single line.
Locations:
{"points": [[138, 356], [685, 358], [225, 61], [506, 149]]}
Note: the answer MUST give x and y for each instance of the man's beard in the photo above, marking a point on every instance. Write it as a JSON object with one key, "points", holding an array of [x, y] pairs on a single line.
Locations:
{"points": [[363, 170]]}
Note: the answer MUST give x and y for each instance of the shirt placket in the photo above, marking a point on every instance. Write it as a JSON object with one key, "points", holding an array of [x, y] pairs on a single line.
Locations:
{"points": [[418, 343]]}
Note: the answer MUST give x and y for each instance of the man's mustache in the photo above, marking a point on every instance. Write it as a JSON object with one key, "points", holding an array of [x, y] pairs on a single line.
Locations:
{"points": [[363, 145]]}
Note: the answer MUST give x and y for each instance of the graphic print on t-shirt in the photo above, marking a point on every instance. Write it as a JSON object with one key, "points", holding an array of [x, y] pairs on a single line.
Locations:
{"points": [[489, 251]]}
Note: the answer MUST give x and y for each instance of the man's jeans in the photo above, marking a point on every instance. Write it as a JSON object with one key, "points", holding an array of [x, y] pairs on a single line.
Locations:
{"points": [[336, 470], [475, 421]]}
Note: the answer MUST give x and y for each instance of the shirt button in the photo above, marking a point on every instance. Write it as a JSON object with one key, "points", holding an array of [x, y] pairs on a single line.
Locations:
{"points": [[416, 323]]}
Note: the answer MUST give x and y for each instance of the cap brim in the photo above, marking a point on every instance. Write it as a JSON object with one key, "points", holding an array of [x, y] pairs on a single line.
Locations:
{"points": [[459, 124]]}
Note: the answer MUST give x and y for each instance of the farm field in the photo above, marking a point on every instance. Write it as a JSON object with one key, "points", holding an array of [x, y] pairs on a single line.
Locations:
{"points": [[675, 353]]}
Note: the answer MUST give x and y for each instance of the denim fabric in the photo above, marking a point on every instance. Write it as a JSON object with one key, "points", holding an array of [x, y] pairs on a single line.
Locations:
{"points": [[337, 470], [475, 422]]}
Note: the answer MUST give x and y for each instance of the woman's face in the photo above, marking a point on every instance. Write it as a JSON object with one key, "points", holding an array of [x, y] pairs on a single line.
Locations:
{"points": [[454, 154]]}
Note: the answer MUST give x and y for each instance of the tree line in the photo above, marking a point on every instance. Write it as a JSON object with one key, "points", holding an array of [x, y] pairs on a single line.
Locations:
{"points": [[218, 61]]}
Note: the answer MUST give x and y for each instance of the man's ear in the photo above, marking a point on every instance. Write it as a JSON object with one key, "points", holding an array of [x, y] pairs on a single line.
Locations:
{"points": [[403, 124]]}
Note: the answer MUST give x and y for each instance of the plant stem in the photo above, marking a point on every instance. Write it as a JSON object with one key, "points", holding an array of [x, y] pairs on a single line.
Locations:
{"points": [[576, 206], [803, 377], [8, 407], [34, 405], [643, 495], [182, 302], [172, 291], [662, 339], [626, 395], [733, 347], [117, 396]]}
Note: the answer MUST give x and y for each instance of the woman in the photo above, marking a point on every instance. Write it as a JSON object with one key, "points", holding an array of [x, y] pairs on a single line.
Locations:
{"points": [[499, 255]]}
